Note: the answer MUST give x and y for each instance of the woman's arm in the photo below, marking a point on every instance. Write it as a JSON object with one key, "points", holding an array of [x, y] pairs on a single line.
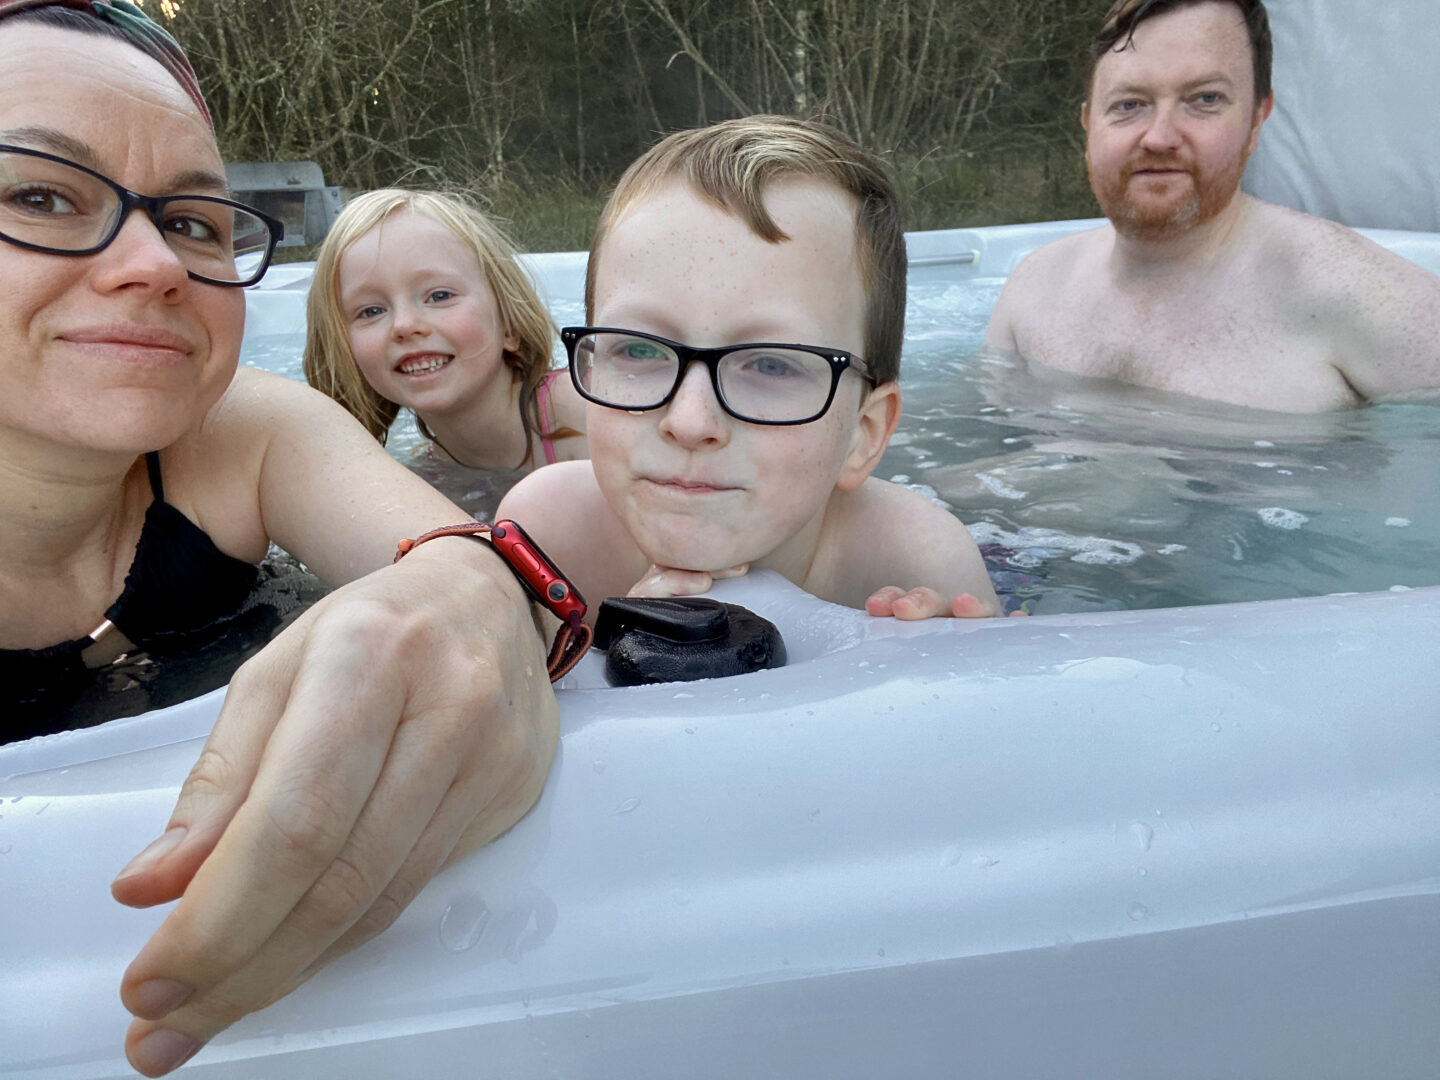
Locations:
{"points": [[404, 719]]}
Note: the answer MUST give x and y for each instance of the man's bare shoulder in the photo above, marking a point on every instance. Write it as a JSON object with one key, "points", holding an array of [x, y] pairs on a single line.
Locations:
{"points": [[1039, 276], [1329, 259], [1379, 311]]}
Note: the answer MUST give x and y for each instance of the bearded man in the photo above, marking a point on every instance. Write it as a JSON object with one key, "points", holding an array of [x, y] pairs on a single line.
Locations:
{"points": [[1195, 287]]}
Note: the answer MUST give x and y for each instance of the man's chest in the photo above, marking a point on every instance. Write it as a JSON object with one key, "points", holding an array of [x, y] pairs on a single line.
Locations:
{"points": [[1234, 346]]}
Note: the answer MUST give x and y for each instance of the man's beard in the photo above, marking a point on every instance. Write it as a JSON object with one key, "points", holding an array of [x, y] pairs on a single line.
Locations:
{"points": [[1142, 216]]}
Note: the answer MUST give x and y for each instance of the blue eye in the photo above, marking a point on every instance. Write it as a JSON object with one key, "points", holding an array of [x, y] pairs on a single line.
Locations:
{"points": [[370, 311], [439, 296], [771, 365]]}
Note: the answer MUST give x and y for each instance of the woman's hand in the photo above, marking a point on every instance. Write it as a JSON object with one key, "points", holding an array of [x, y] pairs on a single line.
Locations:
{"points": [[663, 581], [403, 720]]}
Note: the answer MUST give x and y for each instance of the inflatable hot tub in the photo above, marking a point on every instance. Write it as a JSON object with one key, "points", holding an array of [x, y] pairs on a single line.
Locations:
{"points": [[1187, 842]]}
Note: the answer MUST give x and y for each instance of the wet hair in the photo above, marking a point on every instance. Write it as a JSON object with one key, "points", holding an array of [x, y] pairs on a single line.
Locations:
{"points": [[330, 364], [731, 163], [1118, 31]]}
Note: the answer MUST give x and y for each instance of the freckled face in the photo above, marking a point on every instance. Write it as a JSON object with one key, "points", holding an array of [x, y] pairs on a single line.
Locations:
{"points": [[696, 488], [1172, 120], [424, 324], [119, 350]]}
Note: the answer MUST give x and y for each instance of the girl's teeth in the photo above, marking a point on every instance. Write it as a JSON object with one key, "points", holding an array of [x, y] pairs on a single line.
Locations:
{"points": [[423, 366]]}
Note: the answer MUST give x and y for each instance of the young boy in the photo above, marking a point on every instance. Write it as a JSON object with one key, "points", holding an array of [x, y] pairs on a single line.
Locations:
{"points": [[759, 230]]}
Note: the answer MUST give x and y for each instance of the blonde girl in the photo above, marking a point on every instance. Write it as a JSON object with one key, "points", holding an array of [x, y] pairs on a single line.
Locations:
{"points": [[418, 302]]}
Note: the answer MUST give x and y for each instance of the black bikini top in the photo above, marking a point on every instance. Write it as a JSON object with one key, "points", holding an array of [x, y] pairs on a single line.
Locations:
{"points": [[179, 582]]}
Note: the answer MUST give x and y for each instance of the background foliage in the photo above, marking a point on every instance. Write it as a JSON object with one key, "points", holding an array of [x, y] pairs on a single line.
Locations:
{"points": [[537, 105]]}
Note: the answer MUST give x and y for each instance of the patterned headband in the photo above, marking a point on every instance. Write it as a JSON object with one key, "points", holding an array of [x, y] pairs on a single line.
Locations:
{"points": [[139, 29]]}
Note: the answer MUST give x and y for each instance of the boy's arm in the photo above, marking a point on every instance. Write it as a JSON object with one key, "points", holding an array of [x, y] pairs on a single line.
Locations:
{"points": [[919, 561]]}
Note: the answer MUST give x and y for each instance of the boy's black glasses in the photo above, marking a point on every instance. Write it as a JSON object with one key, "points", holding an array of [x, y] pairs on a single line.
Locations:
{"points": [[53, 205], [760, 383]]}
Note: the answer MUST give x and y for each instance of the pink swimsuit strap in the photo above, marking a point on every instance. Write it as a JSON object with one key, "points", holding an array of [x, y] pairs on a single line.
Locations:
{"points": [[547, 419]]}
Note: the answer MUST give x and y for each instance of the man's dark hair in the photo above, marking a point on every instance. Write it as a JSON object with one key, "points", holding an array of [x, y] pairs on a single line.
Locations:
{"points": [[1119, 28]]}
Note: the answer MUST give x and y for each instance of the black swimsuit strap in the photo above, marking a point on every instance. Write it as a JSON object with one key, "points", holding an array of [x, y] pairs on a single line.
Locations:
{"points": [[152, 466]]}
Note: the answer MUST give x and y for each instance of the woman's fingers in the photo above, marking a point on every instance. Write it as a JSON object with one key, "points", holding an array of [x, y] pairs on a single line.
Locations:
{"points": [[365, 885], [318, 770], [403, 734], [215, 787]]}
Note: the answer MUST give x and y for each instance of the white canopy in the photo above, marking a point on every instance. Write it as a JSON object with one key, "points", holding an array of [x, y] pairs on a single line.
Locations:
{"points": [[1355, 135]]}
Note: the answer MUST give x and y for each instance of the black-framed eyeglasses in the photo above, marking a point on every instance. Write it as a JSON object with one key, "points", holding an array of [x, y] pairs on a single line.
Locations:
{"points": [[50, 204], [761, 383]]}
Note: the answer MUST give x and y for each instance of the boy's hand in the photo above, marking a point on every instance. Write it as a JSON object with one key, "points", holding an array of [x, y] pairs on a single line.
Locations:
{"points": [[661, 581], [926, 603]]}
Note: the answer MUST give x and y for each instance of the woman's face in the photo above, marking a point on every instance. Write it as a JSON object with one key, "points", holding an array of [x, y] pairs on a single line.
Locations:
{"points": [[117, 351]]}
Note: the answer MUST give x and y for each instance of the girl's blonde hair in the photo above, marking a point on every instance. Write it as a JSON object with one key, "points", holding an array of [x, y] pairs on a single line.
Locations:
{"points": [[330, 364]]}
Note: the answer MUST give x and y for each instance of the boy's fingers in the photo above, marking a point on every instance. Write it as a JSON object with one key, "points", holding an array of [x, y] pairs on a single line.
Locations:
{"points": [[881, 602], [921, 603], [966, 606], [731, 572], [665, 581]]}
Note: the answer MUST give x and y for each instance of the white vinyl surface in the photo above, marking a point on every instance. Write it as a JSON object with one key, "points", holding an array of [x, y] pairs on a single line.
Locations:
{"points": [[1196, 842]]}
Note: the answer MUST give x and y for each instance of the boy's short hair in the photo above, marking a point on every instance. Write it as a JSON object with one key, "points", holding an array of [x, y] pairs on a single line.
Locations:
{"points": [[330, 364], [1126, 15], [731, 163]]}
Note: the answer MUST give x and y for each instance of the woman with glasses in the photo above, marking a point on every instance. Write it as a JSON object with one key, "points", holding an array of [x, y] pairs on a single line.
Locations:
{"points": [[403, 718]]}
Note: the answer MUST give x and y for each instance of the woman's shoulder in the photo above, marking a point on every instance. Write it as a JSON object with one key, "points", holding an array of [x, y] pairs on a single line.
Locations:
{"points": [[214, 473]]}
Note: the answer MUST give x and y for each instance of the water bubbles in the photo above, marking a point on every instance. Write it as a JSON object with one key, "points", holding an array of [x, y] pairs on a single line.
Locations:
{"points": [[1215, 727], [950, 856], [1137, 911], [628, 805], [996, 486], [463, 924], [681, 695], [1277, 517], [1142, 834], [1264, 444], [1398, 522], [1140, 871], [984, 862]]}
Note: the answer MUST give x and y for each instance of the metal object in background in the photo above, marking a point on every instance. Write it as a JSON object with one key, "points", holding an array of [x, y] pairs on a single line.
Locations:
{"points": [[293, 191]]}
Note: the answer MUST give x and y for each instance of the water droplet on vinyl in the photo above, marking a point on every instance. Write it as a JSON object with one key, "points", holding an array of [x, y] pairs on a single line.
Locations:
{"points": [[463, 924]]}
